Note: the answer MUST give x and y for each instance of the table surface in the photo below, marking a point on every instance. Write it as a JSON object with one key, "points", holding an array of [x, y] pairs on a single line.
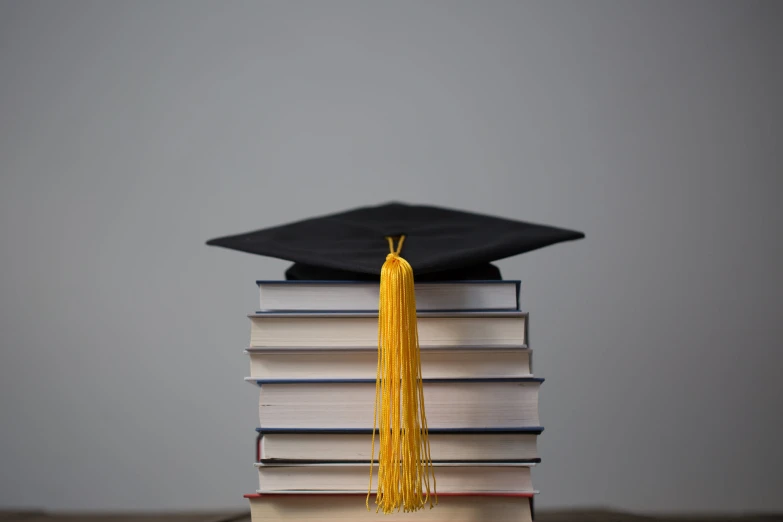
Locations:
{"points": [[543, 516]]}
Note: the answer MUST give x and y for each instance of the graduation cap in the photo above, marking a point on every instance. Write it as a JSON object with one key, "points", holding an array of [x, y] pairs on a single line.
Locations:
{"points": [[394, 244], [440, 243]]}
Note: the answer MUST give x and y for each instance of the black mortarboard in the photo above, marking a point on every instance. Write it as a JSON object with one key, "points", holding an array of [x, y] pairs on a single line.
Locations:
{"points": [[440, 244], [367, 243]]}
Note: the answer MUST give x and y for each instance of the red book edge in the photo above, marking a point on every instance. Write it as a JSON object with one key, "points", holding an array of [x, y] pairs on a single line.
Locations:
{"points": [[263, 495]]}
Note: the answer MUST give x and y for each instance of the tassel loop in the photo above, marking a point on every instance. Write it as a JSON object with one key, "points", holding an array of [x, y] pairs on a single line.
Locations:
{"points": [[405, 474]]}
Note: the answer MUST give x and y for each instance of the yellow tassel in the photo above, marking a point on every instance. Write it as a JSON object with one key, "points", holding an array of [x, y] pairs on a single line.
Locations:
{"points": [[404, 461]]}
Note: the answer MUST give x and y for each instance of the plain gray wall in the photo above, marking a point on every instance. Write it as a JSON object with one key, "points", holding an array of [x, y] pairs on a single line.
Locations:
{"points": [[134, 131]]}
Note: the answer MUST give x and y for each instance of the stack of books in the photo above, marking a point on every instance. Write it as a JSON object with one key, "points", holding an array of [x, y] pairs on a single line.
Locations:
{"points": [[313, 355]]}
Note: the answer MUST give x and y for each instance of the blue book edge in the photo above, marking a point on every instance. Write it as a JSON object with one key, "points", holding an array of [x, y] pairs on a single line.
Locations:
{"points": [[260, 282], [261, 382], [534, 430]]}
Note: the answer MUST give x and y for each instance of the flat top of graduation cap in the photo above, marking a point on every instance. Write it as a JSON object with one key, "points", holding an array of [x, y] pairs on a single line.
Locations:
{"points": [[440, 243]]}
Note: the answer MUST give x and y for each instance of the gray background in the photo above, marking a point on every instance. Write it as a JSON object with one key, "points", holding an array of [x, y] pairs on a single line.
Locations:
{"points": [[134, 131]]}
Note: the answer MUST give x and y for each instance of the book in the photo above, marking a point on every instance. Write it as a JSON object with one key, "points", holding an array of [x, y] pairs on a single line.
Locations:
{"points": [[450, 404], [351, 507], [436, 363], [481, 445], [308, 296], [346, 330], [354, 478]]}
